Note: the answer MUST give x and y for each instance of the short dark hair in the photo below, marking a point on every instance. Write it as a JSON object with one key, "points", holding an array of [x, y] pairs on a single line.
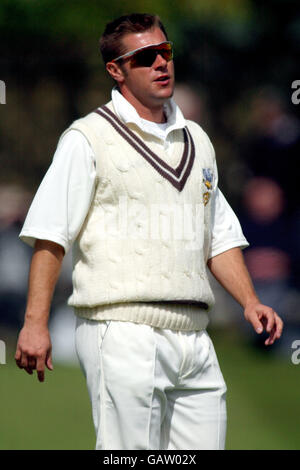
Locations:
{"points": [[111, 45]]}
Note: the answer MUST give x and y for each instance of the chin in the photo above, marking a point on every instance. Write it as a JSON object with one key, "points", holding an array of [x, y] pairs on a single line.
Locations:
{"points": [[167, 93]]}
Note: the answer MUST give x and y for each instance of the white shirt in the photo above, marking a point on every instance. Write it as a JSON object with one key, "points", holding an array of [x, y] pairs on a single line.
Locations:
{"points": [[63, 198]]}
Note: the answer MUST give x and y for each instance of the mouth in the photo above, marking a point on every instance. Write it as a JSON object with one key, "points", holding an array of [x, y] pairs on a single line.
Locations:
{"points": [[163, 79]]}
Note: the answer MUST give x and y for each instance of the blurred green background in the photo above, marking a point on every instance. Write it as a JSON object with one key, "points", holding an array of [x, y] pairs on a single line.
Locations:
{"points": [[235, 63], [262, 402]]}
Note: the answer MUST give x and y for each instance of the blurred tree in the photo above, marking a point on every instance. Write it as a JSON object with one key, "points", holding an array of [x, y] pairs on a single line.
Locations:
{"points": [[50, 60]]}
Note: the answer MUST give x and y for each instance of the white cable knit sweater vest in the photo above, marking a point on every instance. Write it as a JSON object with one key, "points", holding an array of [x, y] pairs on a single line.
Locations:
{"points": [[142, 251]]}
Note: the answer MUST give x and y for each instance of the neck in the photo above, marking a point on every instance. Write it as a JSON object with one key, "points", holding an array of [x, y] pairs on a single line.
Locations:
{"points": [[153, 113]]}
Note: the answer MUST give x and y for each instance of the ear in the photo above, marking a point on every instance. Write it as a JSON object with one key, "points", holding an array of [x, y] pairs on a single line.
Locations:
{"points": [[115, 71]]}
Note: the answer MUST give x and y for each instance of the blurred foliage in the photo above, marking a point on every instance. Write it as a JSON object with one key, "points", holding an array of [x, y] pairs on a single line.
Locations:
{"points": [[54, 17], [50, 61]]}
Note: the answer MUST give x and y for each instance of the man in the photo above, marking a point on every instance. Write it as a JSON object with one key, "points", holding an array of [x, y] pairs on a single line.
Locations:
{"points": [[140, 288]]}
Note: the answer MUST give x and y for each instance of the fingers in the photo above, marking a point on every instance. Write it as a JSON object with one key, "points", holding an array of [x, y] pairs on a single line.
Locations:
{"points": [[270, 340], [273, 325], [279, 325], [267, 317], [264, 318], [257, 325], [40, 368], [24, 362], [34, 350], [21, 360], [18, 356], [30, 363], [276, 330], [270, 321], [49, 362]]}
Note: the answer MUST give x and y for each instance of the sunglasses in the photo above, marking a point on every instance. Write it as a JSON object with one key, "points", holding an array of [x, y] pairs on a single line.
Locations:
{"points": [[146, 56]]}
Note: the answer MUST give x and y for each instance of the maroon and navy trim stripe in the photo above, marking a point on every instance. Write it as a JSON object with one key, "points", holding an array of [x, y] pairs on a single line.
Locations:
{"points": [[178, 176]]}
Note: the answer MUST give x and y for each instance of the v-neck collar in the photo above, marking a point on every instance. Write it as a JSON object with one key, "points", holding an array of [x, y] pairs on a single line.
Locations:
{"points": [[176, 176], [126, 112]]}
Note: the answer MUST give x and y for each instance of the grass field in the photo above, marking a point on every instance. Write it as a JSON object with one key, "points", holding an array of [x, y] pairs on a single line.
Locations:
{"points": [[263, 402]]}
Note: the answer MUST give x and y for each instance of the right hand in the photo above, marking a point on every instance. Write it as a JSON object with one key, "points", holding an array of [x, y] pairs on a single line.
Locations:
{"points": [[34, 350]]}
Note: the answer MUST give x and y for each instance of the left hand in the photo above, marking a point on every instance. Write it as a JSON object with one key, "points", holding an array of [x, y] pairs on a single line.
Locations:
{"points": [[262, 318]]}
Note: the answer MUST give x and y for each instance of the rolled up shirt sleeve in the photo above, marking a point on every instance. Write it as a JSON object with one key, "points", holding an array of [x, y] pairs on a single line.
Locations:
{"points": [[226, 229], [63, 198]]}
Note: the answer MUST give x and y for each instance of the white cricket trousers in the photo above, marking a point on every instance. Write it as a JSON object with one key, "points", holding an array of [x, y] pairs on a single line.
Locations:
{"points": [[152, 388]]}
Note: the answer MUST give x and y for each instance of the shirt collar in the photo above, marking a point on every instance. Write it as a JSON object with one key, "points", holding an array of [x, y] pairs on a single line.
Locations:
{"points": [[128, 114]]}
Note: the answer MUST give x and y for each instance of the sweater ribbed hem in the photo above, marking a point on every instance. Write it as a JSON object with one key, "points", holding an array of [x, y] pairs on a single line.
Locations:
{"points": [[184, 317]]}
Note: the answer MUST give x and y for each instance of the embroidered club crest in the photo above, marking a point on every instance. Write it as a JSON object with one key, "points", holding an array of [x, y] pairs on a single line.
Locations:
{"points": [[208, 182]]}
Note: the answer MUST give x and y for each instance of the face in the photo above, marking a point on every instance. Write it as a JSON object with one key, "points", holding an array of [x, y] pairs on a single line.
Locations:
{"points": [[150, 86]]}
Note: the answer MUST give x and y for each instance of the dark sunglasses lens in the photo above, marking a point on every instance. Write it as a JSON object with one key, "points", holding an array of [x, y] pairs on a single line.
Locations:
{"points": [[144, 58], [147, 57], [167, 54]]}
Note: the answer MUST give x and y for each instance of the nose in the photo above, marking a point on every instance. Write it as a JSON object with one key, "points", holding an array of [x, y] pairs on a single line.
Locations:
{"points": [[159, 62]]}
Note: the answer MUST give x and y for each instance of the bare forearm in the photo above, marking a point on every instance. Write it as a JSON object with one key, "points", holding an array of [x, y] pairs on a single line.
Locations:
{"points": [[44, 271], [230, 270], [34, 342]]}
